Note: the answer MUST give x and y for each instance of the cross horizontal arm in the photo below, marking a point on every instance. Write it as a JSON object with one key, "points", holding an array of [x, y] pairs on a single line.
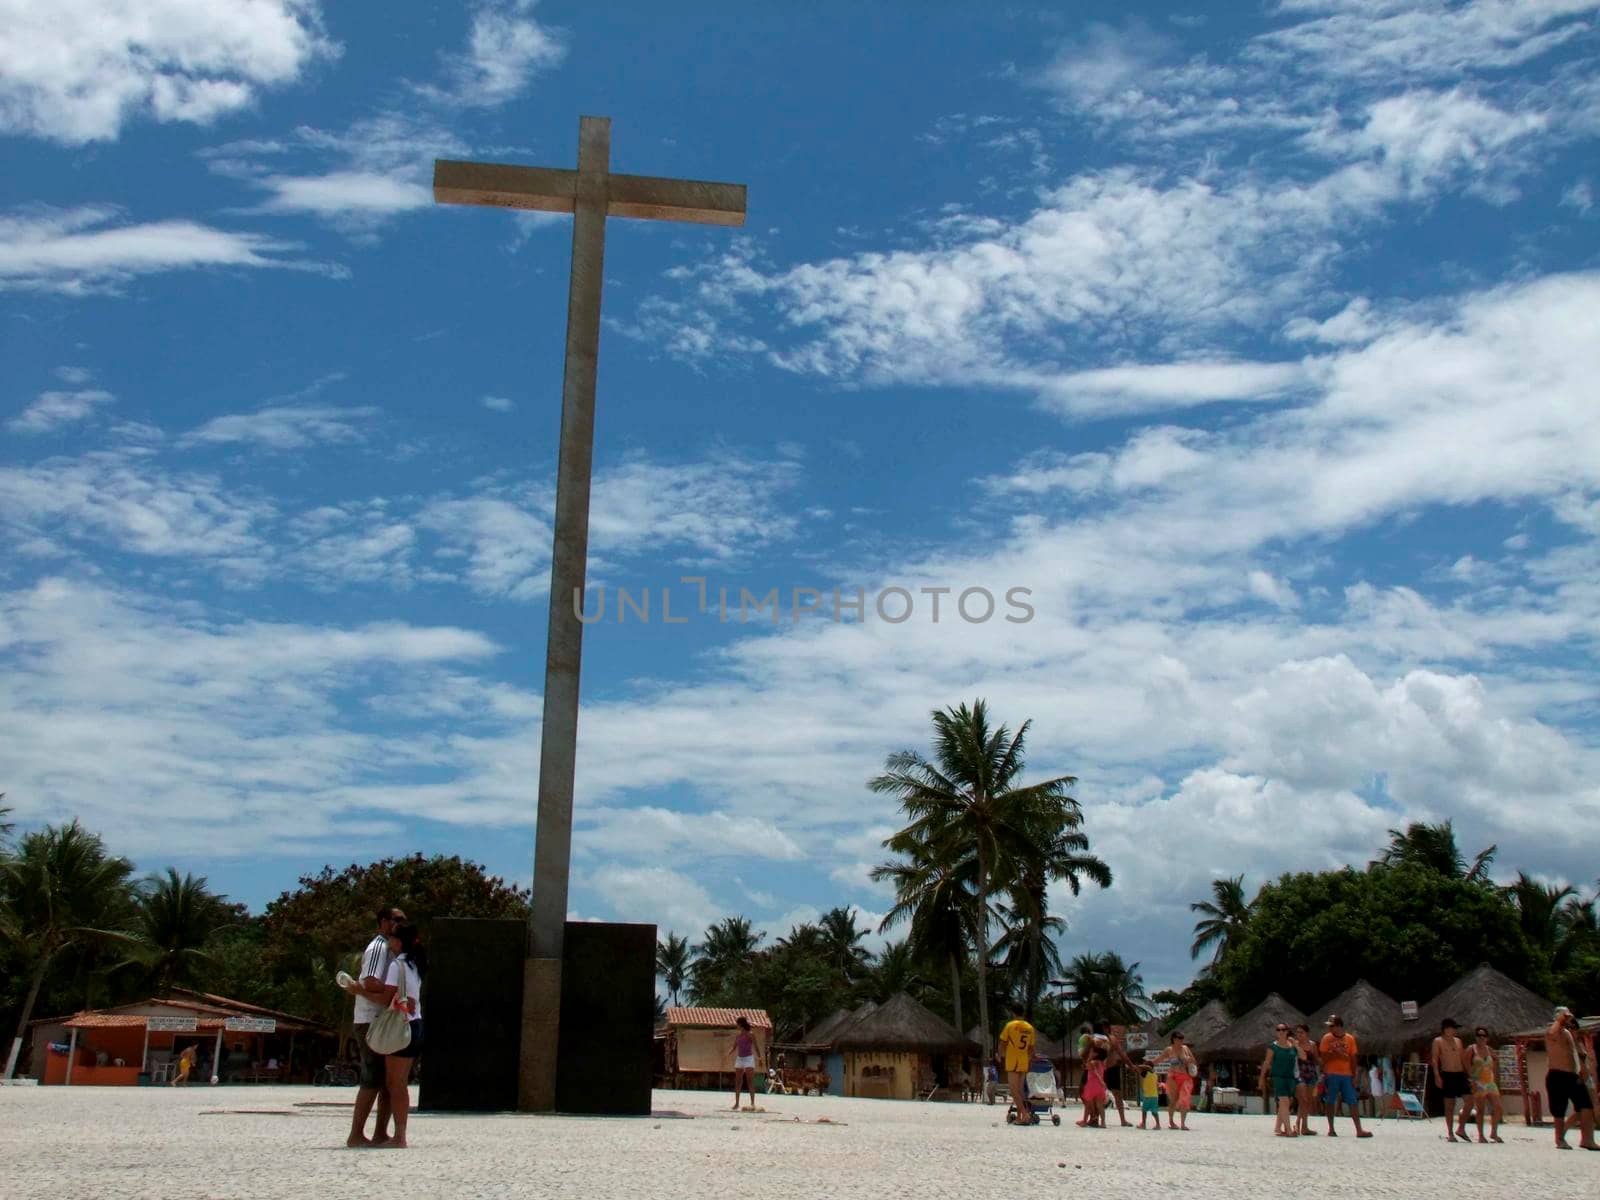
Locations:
{"points": [[549, 189]]}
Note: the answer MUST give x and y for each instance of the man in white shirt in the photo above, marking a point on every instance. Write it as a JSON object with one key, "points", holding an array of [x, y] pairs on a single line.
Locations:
{"points": [[368, 989]]}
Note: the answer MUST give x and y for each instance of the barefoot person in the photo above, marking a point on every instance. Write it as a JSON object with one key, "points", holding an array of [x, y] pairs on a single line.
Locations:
{"points": [[1564, 1086], [1149, 1095], [1118, 1065], [406, 964], [746, 1058], [1449, 1062], [1338, 1052], [1278, 1079], [1181, 1072], [1482, 1072], [1307, 1069], [368, 990], [1017, 1041]]}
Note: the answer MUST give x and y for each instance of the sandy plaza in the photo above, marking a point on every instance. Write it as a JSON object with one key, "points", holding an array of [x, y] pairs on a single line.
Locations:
{"points": [[214, 1143]]}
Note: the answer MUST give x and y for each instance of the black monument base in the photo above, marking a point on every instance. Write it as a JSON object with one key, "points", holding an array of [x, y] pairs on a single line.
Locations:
{"points": [[472, 1017]]}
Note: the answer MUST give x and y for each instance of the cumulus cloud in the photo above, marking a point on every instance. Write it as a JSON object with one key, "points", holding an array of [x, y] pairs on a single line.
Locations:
{"points": [[76, 71], [285, 427], [52, 410], [89, 249]]}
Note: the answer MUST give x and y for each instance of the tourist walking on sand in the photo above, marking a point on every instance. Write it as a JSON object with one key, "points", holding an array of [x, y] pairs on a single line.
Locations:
{"points": [[746, 1058], [368, 990], [185, 1065], [1017, 1041], [402, 986], [1448, 1059], [1305, 1083], [1279, 1069], [1149, 1095], [1181, 1072], [1565, 1086], [1482, 1073], [1338, 1051], [1118, 1064]]}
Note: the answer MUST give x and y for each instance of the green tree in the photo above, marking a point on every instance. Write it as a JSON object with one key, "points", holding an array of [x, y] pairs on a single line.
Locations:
{"points": [[841, 943], [967, 801], [1223, 918], [1101, 987], [1055, 852], [1434, 848], [1409, 929], [673, 960], [58, 890], [1539, 911], [933, 896], [177, 920], [728, 946]]}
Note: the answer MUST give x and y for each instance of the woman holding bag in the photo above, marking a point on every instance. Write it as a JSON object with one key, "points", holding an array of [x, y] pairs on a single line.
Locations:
{"points": [[402, 992]]}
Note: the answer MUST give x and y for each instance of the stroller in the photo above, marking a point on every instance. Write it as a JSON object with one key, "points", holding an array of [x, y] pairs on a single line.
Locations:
{"points": [[1040, 1083]]}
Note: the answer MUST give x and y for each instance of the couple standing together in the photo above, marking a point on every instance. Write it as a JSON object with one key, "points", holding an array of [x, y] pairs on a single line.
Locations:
{"points": [[390, 976]]}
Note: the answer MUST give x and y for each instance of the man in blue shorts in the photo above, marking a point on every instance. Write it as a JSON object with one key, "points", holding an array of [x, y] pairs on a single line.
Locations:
{"points": [[1339, 1068]]}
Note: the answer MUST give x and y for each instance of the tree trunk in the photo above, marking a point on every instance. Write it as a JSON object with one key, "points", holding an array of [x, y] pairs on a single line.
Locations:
{"points": [[983, 951], [955, 991], [1033, 964], [27, 1012]]}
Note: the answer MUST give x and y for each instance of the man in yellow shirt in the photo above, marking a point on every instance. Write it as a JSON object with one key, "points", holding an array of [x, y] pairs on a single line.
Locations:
{"points": [[1017, 1040]]}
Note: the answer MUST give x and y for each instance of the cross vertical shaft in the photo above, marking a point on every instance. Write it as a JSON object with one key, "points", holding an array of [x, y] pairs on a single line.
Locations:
{"points": [[569, 560], [591, 194]]}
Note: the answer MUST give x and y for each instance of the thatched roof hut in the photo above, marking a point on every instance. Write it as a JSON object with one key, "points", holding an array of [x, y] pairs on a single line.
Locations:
{"points": [[1201, 1027], [903, 1024], [1246, 1039], [1371, 1015], [1483, 996], [822, 1033]]}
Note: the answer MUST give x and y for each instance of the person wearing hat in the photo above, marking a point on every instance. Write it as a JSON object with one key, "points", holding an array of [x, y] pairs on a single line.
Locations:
{"points": [[1564, 1087], [1448, 1060], [1338, 1052]]}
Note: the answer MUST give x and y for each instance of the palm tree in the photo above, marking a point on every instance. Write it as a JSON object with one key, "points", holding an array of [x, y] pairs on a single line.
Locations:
{"points": [[57, 890], [1027, 950], [728, 944], [1539, 910], [1434, 847], [674, 960], [1223, 918], [840, 943], [1056, 852], [5, 826], [1101, 987], [177, 918], [935, 897], [898, 969], [969, 803]]}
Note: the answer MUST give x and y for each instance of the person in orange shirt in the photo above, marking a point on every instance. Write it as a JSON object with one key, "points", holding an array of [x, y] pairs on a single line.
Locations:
{"points": [[1017, 1040], [1338, 1051]]}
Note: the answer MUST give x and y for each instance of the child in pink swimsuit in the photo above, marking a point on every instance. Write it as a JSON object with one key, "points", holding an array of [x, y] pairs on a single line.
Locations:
{"points": [[1094, 1087]]}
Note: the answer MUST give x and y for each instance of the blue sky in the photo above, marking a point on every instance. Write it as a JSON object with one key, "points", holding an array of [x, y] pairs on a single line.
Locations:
{"points": [[1257, 342]]}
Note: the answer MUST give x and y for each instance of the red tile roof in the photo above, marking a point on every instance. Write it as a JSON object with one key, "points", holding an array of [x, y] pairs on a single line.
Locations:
{"points": [[718, 1017]]}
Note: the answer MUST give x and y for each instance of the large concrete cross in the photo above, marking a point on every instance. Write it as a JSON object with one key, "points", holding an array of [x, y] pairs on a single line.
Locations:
{"points": [[590, 194]]}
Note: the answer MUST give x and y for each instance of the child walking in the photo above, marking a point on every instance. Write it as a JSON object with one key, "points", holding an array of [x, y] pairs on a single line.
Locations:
{"points": [[1094, 1088], [1150, 1097]]}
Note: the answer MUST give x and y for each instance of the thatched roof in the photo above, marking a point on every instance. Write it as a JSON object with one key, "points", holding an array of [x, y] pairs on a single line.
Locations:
{"points": [[1371, 1015], [902, 1024], [1202, 1026], [1247, 1037], [1483, 996], [821, 1034]]}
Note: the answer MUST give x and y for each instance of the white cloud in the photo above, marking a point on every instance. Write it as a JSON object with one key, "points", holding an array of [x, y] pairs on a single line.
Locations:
{"points": [[1157, 387], [81, 250], [285, 427], [505, 49], [498, 403], [77, 71], [52, 410], [652, 832], [506, 547], [343, 192], [668, 899], [1579, 196]]}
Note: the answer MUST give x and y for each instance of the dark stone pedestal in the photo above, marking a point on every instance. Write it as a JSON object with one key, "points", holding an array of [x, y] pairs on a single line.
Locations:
{"points": [[608, 1017], [472, 1017]]}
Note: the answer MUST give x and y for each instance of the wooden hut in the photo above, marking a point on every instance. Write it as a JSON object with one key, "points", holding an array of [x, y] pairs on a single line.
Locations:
{"points": [[1200, 1027], [1485, 996], [699, 1044], [1242, 1044], [900, 1051], [1371, 1015], [811, 1063]]}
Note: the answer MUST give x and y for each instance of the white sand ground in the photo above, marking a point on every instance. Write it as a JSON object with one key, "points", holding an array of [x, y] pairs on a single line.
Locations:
{"points": [[263, 1143]]}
